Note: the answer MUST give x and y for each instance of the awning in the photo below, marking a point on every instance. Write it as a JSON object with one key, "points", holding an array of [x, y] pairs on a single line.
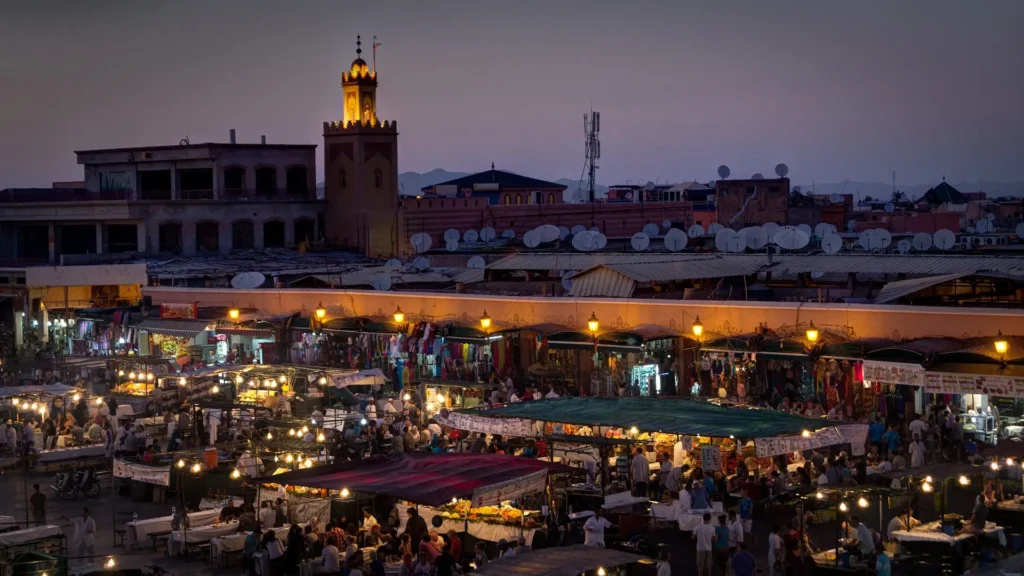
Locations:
{"points": [[251, 332], [51, 389], [558, 561], [178, 327], [430, 479], [687, 417]]}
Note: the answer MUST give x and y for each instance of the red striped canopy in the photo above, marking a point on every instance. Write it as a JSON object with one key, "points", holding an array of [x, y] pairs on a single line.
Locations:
{"points": [[423, 478]]}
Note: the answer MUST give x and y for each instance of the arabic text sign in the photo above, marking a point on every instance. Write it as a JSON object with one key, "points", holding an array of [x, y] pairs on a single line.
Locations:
{"points": [[505, 426], [893, 373], [951, 383], [766, 447], [150, 474], [510, 489]]}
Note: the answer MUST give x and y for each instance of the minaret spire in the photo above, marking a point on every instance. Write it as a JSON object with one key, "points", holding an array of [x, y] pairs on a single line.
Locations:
{"points": [[359, 46]]}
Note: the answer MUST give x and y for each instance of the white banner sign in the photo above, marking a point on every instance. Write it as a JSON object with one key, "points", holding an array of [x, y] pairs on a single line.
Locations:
{"points": [[893, 373], [302, 510], [951, 383], [856, 435], [510, 489], [470, 422], [711, 458], [373, 376], [765, 447], [151, 474]]}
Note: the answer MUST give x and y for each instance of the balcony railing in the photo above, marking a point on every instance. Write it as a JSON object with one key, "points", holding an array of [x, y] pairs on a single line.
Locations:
{"points": [[26, 195], [267, 195], [198, 194]]}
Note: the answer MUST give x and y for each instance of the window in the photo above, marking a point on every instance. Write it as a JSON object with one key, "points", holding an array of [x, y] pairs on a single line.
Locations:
{"points": [[508, 199], [519, 198], [378, 179], [295, 181], [242, 235], [234, 178], [304, 230], [342, 178], [207, 237], [266, 181], [551, 198], [170, 237], [273, 234]]}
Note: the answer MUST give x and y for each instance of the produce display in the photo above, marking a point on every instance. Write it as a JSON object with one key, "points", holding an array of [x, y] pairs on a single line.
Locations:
{"points": [[133, 389], [504, 514]]}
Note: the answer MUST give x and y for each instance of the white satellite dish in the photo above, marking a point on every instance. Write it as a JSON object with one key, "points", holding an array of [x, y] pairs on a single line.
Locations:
{"points": [[452, 235], [382, 282], [890, 207], [585, 241], [675, 240], [791, 238], [781, 170], [805, 228], [595, 229], [476, 262], [714, 229], [831, 243], [470, 236], [247, 280], [487, 234], [509, 234], [547, 232], [640, 241], [757, 176], [922, 241], [983, 226], [563, 232], [884, 237], [531, 239], [850, 225], [650, 186], [420, 242], [723, 172], [770, 228], [666, 224], [1020, 230], [756, 238], [601, 240], [451, 246], [393, 264], [722, 238], [944, 239], [736, 243], [421, 262], [903, 246], [577, 229], [990, 217], [823, 229], [874, 239], [696, 231], [651, 230]]}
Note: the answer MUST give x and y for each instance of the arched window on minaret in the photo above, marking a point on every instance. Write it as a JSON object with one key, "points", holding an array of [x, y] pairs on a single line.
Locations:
{"points": [[378, 178], [508, 199], [342, 178]]}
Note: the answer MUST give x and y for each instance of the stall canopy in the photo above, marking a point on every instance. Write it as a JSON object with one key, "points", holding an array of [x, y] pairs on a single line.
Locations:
{"points": [[659, 415], [575, 559], [177, 327], [52, 389], [429, 479]]}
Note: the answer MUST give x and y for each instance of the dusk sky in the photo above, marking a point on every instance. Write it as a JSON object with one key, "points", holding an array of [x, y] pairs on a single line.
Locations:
{"points": [[835, 89]]}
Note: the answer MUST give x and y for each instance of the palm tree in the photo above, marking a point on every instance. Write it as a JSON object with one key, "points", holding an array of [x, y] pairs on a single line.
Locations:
{"points": [[898, 196]]}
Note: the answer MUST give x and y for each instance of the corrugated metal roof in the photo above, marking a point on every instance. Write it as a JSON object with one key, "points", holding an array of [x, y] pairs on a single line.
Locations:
{"points": [[602, 281], [896, 290], [469, 276], [912, 264], [688, 269], [582, 261], [177, 327]]}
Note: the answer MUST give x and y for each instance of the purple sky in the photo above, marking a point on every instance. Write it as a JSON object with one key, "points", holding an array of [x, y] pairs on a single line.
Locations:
{"points": [[835, 89]]}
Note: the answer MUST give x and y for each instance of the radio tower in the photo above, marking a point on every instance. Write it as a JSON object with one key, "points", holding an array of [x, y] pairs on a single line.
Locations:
{"points": [[591, 126]]}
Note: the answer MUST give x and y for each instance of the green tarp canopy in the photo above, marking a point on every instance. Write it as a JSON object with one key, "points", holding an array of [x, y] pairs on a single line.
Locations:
{"points": [[688, 417]]}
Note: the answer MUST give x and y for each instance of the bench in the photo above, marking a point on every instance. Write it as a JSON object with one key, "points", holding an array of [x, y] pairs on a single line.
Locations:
{"points": [[227, 556], [119, 538], [158, 537]]}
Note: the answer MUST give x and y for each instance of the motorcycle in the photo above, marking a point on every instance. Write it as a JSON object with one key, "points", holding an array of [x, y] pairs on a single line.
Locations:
{"points": [[68, 485]]}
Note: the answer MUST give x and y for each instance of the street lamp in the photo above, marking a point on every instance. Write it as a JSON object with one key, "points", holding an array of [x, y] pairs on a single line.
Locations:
{"points": [[320, 311], [812, 333], [233, 313], [399, 315], [485, 321], [593, 323], [1001, 344], [698, 328]]}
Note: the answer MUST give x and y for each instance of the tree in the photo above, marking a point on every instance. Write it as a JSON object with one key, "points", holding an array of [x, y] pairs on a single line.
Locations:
{"points": [[868, 199], [898, 196]]}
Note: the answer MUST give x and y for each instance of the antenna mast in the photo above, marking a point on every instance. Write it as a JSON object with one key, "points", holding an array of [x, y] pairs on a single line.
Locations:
{"points": [[591, 127], [375, 46]]}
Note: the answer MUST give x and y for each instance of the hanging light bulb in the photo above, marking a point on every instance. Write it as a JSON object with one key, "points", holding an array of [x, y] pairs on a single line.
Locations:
{"points": [[305, 429], [600, 572], [928, 479], [149, 376], [322, 380], [964, 480], [633, 431], [1009, 462], [110, 563], [309, 463], [430, 406], [440, 398], [76, 397], [215, 389], [238, 379], [862, 502], [181, 463], [806, 433], [273, 384], [321, 437], [99, 401], [252, 383], [233, 313], [35, 405], [291, 432], [281, 379], [819, 496], [235, 474], [926, 487], [843, 507], [698, 328], [994, 465], [362, 422], [270, 436], [289, 458], [120, 372], [406, 397], [196, 468], [345, 492], [183, 381], [131, 375]]}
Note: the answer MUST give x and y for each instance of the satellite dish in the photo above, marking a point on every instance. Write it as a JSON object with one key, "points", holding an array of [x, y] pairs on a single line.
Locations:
{"points": [[736, 243], [791, 238], [770, 228], [903, 246], [805, 228], [823, 229], [922, 241], [757, 176], [884, 237], [585, 241], [649, 186], [756, 238], [944, 239], [781, 170], [487, 234], [563, 232], [640, 241], [722, 238], [831, 243], [796, 189], [651, 230], [629, 196], [601, 240], [723, 172], [835, 198], [567, 284], [531, 239], [696, 231], [990, 217], [715, 229], [1020, 230], [874, 239], [470, 236], [476, 262], [850, 225], [393, 264], [983, 226], [247, 280], [451, 246], [421, 262], [675, 240], [382, 282], [666, 224], [547, 232], [595, 229], [452, 235], [890, 207], [420, 242], [510, 234], [577, 229]]}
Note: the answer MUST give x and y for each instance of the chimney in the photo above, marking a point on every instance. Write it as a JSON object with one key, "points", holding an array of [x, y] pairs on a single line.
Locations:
{"points": [[263, 139], [232, 135]]}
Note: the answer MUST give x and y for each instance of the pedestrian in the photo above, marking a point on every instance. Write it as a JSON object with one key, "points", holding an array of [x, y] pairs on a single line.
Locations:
{"points": [[664, 568], [743, 563], [641, 473], [776, 548], [704, 533], [721, 545], [85, 535], [38, 502]]}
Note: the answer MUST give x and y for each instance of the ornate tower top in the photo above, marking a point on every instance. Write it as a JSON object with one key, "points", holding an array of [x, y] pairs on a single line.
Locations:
{"points": [[359, 88]]}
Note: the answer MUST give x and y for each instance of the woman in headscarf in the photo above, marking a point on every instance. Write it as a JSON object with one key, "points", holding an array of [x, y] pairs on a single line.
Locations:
{"points": [[296, 549]]}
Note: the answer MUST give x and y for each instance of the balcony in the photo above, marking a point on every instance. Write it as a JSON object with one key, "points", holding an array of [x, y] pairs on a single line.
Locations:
{"points": [[197, 194], [30, 195], [267, 195], [160, 194]]}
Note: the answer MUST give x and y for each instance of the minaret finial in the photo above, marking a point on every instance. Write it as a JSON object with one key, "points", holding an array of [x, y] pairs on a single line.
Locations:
{"points": [[359, 46], [492, 165]]}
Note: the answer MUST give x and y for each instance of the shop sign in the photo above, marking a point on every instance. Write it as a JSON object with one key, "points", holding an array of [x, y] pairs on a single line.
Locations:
{"points": [[160, 475], [711, 458], [177, 310], [765, 447], [510, 489], [856, 435], [952, 383], [893, 373], [471, 423]]}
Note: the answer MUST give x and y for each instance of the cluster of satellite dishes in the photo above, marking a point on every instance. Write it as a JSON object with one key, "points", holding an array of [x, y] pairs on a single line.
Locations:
{"points": [[781, 170]]}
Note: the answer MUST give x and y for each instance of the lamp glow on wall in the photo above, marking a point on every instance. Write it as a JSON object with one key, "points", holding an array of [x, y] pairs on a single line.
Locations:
{"points": [[812, 333], [399, 316], [593, 324], [698, 328]]}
